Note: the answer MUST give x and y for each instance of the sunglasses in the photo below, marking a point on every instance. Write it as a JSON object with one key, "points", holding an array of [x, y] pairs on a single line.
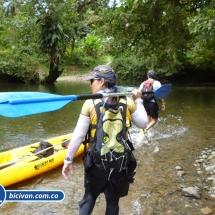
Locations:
{"points": [[92, 80]]}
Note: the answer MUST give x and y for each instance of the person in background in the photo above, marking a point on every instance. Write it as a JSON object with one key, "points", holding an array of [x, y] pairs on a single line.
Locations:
{"points": [[103, 80], [151, 106]]}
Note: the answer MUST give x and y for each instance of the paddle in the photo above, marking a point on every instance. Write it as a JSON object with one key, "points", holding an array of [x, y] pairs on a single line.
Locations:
{"points": [[17, 104], [18, 160]]}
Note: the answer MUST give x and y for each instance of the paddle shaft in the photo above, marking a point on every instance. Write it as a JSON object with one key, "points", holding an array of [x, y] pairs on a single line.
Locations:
{"points": [[69, 97], [14, 162]]}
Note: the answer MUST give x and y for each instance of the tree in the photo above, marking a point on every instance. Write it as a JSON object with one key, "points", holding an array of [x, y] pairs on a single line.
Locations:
{"points": [[61, 21], [202, 49], [59, 24], [50, 36], [11, 7], [156, 32]]}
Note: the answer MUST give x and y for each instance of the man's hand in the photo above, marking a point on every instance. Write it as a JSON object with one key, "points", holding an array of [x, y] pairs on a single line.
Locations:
{"points": [[66, 169], [163, 107]]}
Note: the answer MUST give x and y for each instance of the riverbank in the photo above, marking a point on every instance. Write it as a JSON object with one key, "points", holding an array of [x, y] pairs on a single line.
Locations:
{"points": [[161, 186], [77, 77]]}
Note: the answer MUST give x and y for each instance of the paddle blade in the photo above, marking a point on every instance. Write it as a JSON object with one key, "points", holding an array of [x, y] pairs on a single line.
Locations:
{"points": [[18, 110], [163, 91], [17, 104]]}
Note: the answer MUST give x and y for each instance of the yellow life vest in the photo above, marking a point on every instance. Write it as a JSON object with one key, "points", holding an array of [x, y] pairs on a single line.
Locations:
{"points": [[93, 116]]}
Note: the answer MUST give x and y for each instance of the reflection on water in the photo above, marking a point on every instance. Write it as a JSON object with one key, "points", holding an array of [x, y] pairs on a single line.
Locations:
{"points": [[183, 130]]}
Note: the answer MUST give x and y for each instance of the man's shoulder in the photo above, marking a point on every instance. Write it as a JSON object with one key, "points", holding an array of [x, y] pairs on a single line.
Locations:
{"points": [[156, 81], [156, 84]]}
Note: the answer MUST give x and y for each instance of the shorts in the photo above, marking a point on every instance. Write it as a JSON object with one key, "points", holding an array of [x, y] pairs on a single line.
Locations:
{"points": [[114, 185], [152, 109]]}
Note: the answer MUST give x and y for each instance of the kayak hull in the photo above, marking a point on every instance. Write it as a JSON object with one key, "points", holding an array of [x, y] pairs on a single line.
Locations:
{"points": [[20, 164]]}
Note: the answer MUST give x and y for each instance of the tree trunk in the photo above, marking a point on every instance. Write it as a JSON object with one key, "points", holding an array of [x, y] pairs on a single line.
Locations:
{"points": [[54, 71], [72, 48]]}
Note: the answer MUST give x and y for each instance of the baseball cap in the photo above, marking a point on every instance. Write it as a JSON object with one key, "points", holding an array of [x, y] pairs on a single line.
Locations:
{"points": [[102, 71], [151, 73]]}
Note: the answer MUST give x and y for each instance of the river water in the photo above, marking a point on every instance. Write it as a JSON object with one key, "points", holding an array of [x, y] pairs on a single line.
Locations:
{"points": [[183, 131]]}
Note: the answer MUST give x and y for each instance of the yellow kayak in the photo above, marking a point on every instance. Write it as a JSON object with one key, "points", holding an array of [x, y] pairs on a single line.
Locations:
{"points": [[21, 163]]}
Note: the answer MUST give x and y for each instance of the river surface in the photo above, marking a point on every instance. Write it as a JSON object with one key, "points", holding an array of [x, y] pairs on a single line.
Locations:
{"points": [[183, 131]]}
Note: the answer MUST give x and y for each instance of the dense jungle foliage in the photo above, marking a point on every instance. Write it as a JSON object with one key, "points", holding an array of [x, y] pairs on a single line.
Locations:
{"points": [[41, 40]]}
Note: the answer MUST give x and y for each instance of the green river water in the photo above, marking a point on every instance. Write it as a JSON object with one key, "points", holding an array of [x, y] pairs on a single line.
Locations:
{"points": [[183, 131]]}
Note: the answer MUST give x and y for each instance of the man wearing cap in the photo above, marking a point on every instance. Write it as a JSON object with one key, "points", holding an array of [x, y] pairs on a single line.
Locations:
{"points": [[151, 106], [113, 184]]}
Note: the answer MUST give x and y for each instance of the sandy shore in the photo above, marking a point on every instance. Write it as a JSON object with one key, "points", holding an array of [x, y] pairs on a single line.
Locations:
{"points": [[77, 77]]}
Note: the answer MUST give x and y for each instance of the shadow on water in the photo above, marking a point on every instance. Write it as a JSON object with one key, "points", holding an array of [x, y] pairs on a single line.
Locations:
{"points": [[183, 131]]}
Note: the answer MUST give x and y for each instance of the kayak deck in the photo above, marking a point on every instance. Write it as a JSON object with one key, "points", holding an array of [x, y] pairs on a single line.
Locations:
{"points": [[20, 164]]}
